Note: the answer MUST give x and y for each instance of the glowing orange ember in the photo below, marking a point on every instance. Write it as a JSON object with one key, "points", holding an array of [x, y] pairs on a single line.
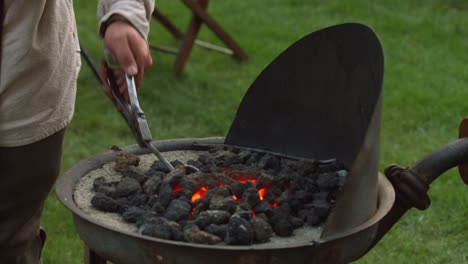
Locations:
{"points": [[261, 193], [199, 194], [246, 180], [253, 213], [177, 188], [241, 179]]}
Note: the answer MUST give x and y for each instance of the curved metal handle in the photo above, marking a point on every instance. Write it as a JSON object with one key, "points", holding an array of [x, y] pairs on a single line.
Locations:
{"points": [[439, 161], [412, 184]]}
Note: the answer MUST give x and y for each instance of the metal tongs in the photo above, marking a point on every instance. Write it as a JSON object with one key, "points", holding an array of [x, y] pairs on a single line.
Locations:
{"points": [[136, 118]]}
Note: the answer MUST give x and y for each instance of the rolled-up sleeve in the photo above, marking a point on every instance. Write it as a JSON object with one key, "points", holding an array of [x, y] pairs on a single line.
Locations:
{"points": [[136, 12]]}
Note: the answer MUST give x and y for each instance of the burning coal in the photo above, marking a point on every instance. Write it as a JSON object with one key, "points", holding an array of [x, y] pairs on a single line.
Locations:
{"points": [[238, 196]]}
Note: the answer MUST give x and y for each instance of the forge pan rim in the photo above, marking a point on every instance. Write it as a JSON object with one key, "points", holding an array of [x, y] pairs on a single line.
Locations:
{"points": [[66, 184]]}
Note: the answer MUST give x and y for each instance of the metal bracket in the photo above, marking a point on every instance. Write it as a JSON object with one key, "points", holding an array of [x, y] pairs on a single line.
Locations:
{"points": [[409, 186]]}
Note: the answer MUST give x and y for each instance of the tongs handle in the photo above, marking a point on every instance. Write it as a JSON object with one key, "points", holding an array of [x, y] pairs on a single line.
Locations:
{"points": [[118, 99], [123, 106], [133, 114], [138, 113]]}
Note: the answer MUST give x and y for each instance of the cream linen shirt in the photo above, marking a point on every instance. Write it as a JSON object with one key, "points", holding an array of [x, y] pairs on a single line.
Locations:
{"points": [[41, 61]]}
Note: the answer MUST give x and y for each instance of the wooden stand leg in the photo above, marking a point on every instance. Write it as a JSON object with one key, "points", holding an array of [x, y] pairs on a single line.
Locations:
{"points": [[189, 39], [199, 16], [92, 258], [165, 22], [200, 11]]}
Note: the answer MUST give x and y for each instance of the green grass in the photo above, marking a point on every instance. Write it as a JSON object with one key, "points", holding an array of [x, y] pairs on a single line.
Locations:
{"points": [[425, 98]]}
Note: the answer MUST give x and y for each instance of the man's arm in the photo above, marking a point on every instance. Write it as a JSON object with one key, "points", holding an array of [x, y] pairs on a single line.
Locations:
{"points": [[124, 27]]}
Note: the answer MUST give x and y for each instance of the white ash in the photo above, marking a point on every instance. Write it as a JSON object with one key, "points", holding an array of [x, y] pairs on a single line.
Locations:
{"points": [[84, 192]]}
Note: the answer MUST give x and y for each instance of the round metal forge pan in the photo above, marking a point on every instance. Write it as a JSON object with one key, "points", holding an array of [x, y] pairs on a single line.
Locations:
{"points": [[125, 247]]}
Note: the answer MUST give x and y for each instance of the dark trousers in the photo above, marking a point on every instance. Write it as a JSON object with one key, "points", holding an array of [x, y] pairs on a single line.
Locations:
{"points": [[27, 174]]}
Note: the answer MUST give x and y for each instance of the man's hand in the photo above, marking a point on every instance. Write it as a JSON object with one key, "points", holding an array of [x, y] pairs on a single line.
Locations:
{"points": [[129, 50]]}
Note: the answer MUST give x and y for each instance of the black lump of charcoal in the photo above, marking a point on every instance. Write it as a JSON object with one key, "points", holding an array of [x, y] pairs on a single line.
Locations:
{"points": [[315, 213], [244, 155], [283, 176], [208, 180], [206, 159], [158, 209], [342, 176], [218, 191], [184, 194], [263, 208], [157, 166], [239, 232], [320, 196], [231, 160], [296, 222], [127, 186], [174, 177], [193, 234], [217, 230], [166, 194], [177, 233], [238, 189], [251, 197], [262, 230], [321, 208], [223, 203], [159, 228], [105, 203], [215, 149], [140, 178], [330, 167], [148, 216], [269, 161], [208, 217], [283, 227], [108, 190], [194, 163], [265, 179], [282, 211], [98, 182], [327, 181], [205, 168], [178, 210], [297, 182], [200, 205], [247, 215], [138, 199], [303, 196], [310, 217], [132, 214], [304, 167], [151, 185], [190, 184], [152, 200], [253, 159], [285, 197]]}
